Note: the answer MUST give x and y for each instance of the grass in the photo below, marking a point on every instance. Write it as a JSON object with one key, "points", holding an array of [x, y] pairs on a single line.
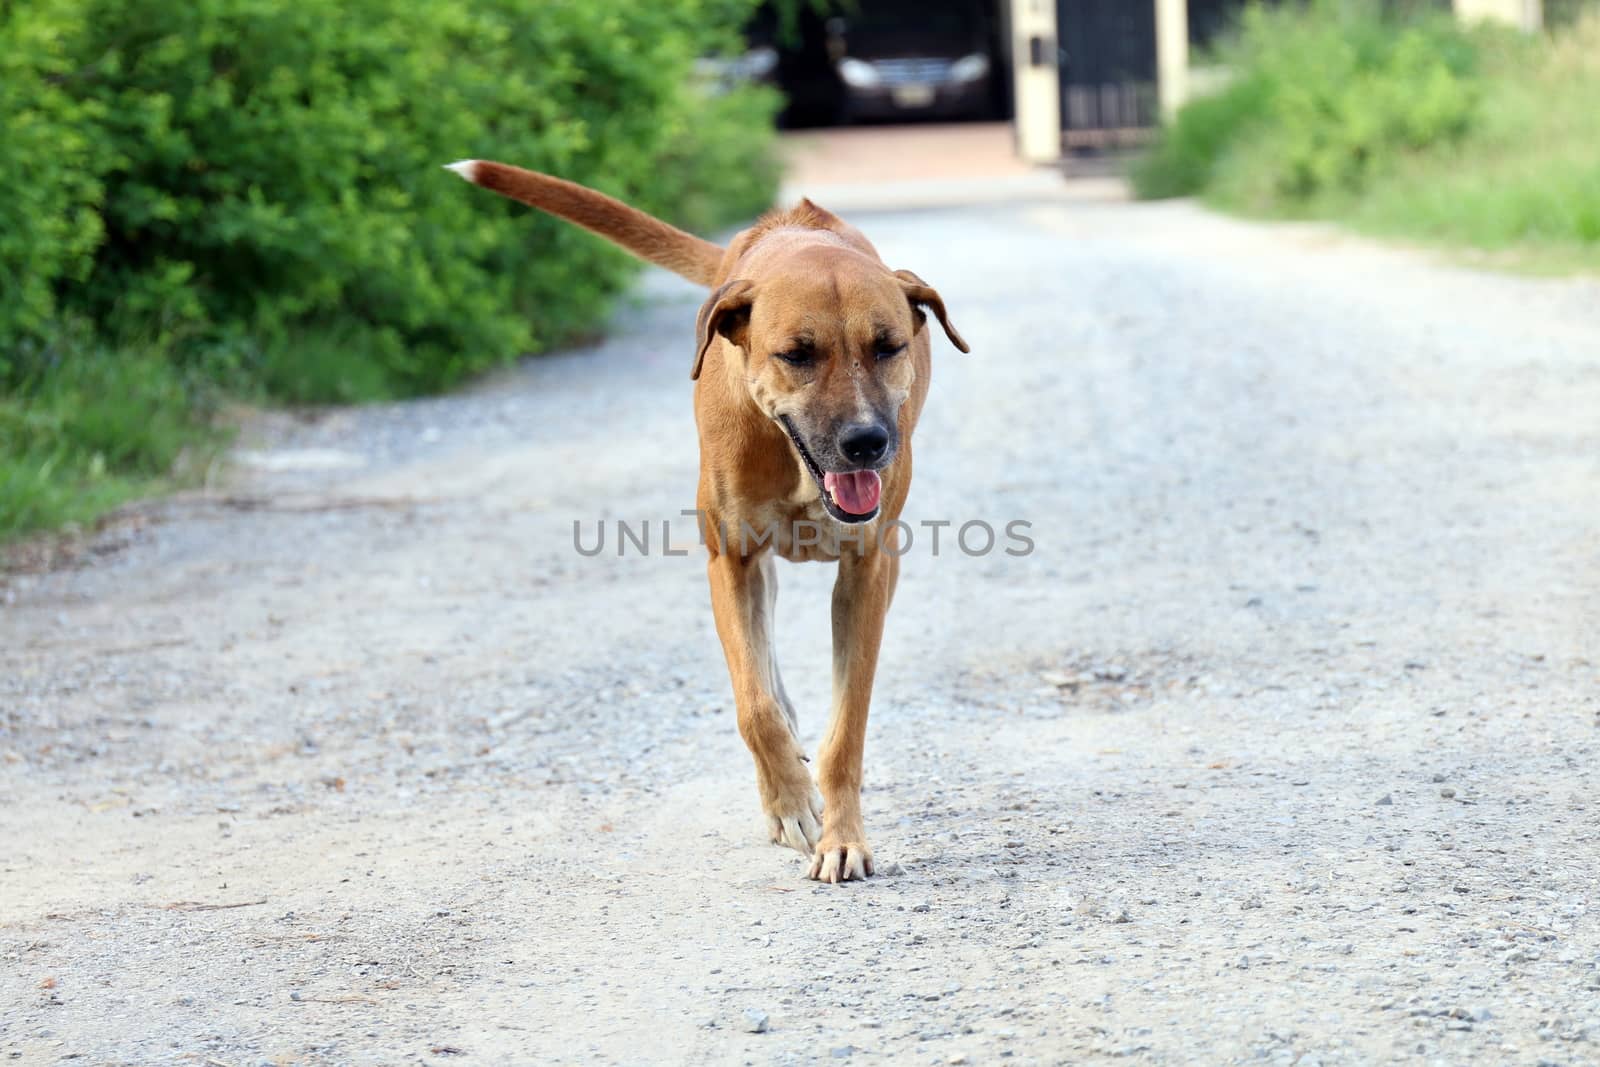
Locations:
{"points": [[1525, 183], [1476, 140], [326, 368], [93, 430]]}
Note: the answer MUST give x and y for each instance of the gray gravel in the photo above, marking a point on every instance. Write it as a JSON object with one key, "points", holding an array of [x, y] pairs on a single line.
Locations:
{"points": [[1280, 747]]}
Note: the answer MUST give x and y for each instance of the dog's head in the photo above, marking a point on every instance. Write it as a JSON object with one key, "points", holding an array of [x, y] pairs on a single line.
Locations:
{"points": [[826, 336]]}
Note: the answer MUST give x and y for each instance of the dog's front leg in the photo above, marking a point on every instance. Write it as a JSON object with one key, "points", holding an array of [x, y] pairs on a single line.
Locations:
{"points": [[861, 596], [743, 592]]}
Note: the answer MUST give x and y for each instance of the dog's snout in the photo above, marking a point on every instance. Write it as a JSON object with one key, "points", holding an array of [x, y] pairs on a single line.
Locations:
{"points": [[864, 444]]}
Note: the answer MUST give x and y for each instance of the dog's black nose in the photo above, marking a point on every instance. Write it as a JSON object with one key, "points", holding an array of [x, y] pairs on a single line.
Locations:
{"points": [[864, 444]]}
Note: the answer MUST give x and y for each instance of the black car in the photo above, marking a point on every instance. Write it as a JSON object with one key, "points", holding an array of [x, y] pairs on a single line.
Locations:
{"points": [[897, 60]]}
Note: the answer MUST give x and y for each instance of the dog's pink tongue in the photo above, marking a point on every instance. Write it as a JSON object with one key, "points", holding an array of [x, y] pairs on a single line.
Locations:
{"points": [[856, 493]]}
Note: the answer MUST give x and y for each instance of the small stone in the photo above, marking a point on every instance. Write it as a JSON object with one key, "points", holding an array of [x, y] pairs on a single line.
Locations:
{"points": [[919, 907], [755, 1022], [1447, 792], [843, 1052], [892, 870], [1386, 801]]}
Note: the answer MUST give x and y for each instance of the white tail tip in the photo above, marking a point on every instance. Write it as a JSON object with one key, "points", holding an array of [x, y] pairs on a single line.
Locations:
{"points": [[467, 168]]}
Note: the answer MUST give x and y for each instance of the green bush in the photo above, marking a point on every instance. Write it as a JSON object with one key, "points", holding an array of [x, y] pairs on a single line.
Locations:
{"points": [[1528, 176], [1411, 126], [1183, 162], [1324, 96], [248, 195], [49, 222], [269, 183]]}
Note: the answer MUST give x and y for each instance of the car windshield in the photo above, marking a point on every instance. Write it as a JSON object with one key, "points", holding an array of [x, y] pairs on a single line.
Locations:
{"points": [[890, 21]]}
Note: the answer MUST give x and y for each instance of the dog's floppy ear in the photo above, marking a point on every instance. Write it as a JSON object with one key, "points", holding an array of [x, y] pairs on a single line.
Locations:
{"points": [[922, 295], [725, 312]]}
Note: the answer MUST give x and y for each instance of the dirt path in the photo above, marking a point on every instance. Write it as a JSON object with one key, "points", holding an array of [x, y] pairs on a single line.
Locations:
{"points": [[1281, 746]]}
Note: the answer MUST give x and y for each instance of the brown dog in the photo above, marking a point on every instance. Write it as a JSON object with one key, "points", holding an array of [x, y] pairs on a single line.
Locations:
{"points": [[812, 364]]}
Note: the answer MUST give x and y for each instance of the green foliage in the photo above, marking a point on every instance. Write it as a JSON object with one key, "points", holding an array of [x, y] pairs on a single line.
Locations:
{"points": [[1528, 176], [49, 222], [1419, 128], [272, 172], [251, 193], [1325, 96], [1184, 161], [92, 431], [731, 138]]}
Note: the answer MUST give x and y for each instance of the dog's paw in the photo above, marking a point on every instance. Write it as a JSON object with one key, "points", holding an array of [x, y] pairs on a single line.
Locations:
{"points": [[794, 818], [840, 861]]}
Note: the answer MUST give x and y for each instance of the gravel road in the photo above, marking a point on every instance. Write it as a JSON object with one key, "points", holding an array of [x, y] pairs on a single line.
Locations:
{"points": [[1281, 746]]}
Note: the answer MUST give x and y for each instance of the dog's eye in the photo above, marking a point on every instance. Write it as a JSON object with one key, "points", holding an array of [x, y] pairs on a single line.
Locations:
{"points": [[797, 357], [889, 351]]}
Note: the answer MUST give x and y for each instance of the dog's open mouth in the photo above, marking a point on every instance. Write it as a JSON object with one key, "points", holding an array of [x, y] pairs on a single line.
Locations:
{"points": [[848, 496]]}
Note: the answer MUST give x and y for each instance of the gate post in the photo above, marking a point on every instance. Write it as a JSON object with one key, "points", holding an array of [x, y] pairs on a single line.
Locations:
{"points": [[1172, 55], [1036, 80]]}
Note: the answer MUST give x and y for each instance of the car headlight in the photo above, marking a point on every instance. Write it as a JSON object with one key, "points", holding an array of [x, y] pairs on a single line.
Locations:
{"points": [[859, 74], [970, 68]]}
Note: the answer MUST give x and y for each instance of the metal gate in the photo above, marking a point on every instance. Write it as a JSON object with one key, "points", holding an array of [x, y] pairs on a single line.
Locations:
{"points": [[1108, 72]]}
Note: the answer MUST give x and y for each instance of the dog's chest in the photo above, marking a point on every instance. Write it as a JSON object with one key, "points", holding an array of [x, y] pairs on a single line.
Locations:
{"points": [[801, 531]]}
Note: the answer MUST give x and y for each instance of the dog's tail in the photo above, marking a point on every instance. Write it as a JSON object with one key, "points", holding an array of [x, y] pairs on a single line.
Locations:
{"points": [[644, 235]]}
